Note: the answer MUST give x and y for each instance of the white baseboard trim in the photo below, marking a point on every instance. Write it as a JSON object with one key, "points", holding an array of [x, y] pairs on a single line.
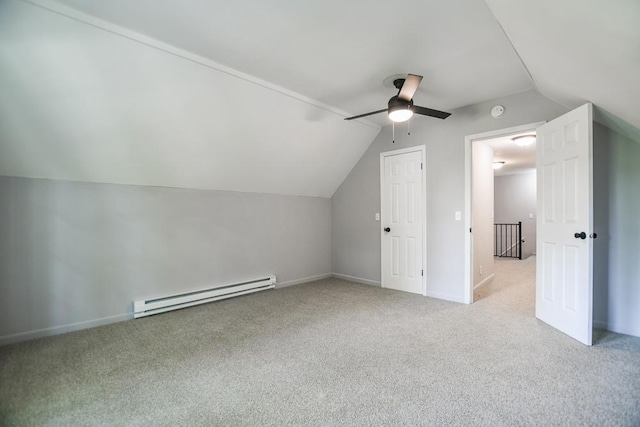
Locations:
{"points": [[356, 279], [63, 329], [485, 281], [446, 297], [303, 280], [620, 329]]}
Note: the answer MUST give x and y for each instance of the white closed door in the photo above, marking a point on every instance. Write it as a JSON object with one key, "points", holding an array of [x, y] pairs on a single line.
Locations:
{"points": [[564, 286], [402, 221]]}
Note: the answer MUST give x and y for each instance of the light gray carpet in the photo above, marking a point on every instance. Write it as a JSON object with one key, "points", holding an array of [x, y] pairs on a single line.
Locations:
{"points": [[329, 353]]}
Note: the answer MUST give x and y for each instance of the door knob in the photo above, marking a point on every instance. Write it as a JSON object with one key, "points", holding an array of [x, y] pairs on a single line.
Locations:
{"points": [[594, 235], [387, 229], [582, 235]]}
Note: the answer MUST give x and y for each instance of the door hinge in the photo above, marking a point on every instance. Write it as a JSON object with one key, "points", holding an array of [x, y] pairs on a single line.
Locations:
{"points": [[470, 230], [420, 165], [422, 272]]}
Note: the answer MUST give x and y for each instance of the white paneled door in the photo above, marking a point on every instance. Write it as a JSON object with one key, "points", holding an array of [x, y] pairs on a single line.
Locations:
{"points": [[564, 287], [403, 220]]}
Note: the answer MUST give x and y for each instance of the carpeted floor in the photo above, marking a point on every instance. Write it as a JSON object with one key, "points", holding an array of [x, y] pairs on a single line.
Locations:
{"points": [[329, 353]]}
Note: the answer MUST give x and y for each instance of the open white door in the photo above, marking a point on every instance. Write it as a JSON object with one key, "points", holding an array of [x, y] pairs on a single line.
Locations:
{"points": [[403, 219], [564, 282]]}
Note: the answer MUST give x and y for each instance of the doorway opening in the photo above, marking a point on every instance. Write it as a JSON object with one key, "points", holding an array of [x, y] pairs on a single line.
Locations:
{"points": [[504, 217], [499, 196]]}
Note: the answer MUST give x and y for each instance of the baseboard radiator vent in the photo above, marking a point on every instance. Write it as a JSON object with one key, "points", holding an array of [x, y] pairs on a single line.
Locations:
{"points": [[174, 302]]}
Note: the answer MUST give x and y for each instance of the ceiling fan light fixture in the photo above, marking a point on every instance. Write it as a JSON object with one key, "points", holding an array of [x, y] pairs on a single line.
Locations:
{"points": [[524, 140], [399, 109], [400, 114], [497, 165]]}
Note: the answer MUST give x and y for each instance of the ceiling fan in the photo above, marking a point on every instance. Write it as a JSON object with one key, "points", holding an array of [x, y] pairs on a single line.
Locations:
{"points": [[400, 107]]}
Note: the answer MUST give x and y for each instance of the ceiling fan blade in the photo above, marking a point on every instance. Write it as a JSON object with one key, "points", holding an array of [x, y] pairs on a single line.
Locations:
{"points": [[409, 87], [429, 112], [365, 114]]}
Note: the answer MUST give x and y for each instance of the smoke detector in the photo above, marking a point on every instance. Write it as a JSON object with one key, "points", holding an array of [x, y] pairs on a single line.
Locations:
{"points": [[497, 111]]}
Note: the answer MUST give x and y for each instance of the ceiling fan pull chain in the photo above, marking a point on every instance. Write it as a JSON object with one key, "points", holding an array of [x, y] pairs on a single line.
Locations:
{"points": [[409, 127], [393, 132]]}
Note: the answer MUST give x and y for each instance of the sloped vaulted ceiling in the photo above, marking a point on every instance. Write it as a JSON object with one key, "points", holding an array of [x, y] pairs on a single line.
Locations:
{"points": [[251, 95], [579, 51], [89, 103]]}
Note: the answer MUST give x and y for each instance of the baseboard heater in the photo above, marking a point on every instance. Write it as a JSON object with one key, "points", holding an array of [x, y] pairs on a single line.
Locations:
{"points": [[174, 302]]}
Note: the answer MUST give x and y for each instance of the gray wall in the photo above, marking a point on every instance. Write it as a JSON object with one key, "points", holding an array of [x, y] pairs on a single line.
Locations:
{"points": [[482, 211], [515, 199], [616, 170], [355, 239], [79, 253]]}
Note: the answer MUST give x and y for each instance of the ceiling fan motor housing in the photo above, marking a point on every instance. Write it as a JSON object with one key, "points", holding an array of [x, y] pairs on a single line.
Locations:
{"points": [[396, 103]]}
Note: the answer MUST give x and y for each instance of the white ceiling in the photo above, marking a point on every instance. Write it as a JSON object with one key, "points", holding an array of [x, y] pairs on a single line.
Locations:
{"points": [[339, 52], [578, 51], [148, 91], [517, 159]]}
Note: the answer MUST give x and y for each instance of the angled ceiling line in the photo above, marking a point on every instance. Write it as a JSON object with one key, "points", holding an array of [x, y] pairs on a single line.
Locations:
{"points": [[117, 30], [533, 82]]}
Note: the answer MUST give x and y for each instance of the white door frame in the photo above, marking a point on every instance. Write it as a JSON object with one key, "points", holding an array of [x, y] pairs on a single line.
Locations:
{"points": [[468, 237], [423, 157]]}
